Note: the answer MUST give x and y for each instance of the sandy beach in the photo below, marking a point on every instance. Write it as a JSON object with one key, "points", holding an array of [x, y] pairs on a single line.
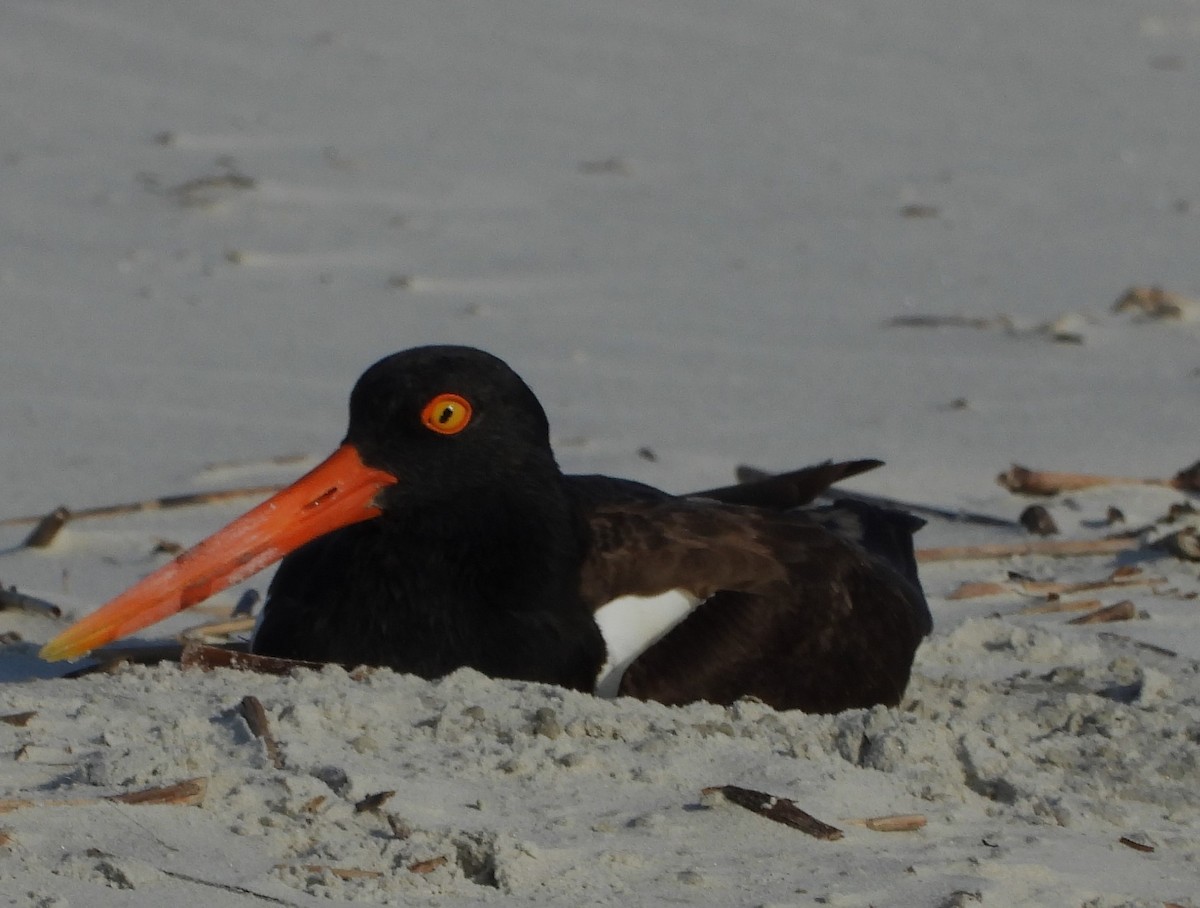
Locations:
{"points": [[707, 235]]}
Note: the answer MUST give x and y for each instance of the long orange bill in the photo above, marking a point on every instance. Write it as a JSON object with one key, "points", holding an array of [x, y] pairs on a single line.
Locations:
{"points": [[338, 492]]}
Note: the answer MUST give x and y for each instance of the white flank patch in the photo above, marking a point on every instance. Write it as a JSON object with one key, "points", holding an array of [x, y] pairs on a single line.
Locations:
{"points": [[631, 625]]}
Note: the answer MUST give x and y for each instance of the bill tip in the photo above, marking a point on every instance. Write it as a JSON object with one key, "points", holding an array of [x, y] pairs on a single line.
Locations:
{"points": [[58, 650]]}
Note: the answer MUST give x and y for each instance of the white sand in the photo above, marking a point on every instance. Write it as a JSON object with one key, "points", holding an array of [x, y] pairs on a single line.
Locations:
{"points": [[686, 227]]}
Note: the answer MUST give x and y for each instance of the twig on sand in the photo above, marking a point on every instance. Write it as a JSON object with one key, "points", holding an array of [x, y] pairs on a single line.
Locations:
{"points": [[373, 802], [1056, 606], [427, 866], [1057, 548], [226, 887], [47, 528], [1140, 644], [950, 321], [1119, 578], [342, 873], [112, 659], [1024, 481], [255, 715], [10, 598], [1130, 842], [1154, 302], [896, 822], [165, 503], [978, 589], [218, 629], [279, 460], [1118, 611], [206, 658], [781, 810], [188, 793]]}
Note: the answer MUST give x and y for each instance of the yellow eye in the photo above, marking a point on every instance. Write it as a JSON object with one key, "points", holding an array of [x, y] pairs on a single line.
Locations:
{"points": [[447, 414]]}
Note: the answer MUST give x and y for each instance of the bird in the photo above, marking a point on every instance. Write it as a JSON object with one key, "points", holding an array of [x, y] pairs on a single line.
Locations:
{"points": [[442, 534]]}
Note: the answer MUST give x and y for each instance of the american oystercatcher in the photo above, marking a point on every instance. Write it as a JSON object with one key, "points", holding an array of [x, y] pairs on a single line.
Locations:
{"points": [[442, 533]]}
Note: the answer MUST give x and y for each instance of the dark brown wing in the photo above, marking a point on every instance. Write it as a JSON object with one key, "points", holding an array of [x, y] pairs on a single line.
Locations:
{"points": [[783, 491], [774, 492], [793, 614]]}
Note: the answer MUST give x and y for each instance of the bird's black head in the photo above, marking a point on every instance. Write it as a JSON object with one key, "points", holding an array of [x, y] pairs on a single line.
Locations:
{"points": [[446, 418], [448, 437]]}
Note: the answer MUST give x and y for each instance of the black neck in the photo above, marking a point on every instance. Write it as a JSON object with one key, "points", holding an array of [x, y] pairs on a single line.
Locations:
{"points": [[486, 578], [512, 547]]}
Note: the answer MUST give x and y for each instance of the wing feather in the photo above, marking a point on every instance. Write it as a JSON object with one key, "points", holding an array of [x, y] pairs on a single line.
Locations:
{"points": [[791, 612]]}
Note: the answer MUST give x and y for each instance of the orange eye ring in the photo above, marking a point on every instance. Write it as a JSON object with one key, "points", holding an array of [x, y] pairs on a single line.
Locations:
{"points": [[446, 414]]}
